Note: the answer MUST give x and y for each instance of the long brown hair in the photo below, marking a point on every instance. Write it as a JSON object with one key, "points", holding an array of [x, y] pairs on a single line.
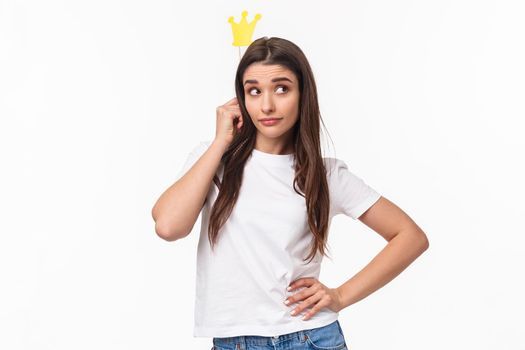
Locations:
{"points": [[310, 173]]}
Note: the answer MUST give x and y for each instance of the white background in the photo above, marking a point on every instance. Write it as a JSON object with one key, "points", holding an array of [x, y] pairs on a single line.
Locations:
{"points": [[101, 101]]}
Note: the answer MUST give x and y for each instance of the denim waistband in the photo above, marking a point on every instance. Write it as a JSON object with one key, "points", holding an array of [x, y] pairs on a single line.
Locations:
{"points": [[248, 340]]}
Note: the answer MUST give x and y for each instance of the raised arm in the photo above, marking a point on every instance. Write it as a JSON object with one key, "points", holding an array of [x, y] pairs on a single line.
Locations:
{"points": [[178, 208]]}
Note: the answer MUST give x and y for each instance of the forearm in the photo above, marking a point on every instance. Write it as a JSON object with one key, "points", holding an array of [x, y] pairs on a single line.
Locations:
{"points": [[396, 256], [177, 209]]}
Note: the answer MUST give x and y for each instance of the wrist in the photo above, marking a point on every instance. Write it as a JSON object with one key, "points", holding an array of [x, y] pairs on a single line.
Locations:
{"points": [[218, 143], [339, 295]]}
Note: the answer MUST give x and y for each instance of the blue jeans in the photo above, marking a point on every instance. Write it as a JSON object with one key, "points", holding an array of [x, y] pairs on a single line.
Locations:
{"points": [[329, 337]]}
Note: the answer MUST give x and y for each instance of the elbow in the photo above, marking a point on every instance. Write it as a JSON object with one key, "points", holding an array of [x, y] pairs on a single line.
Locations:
{"points": [[168, 234], [425, 244], [418, 238], [154, 213], [163, 230]]}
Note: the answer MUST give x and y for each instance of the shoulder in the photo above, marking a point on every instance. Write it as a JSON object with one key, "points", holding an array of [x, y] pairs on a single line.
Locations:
{"points": [[339, 173], [334, 165]]}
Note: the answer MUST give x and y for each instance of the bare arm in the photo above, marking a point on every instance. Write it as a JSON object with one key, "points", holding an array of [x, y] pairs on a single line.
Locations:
{"points": [[177, 209], [406, 241]]}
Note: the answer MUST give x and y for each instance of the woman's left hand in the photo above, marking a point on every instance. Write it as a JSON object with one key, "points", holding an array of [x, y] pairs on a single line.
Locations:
{"points": [[316, 294]]}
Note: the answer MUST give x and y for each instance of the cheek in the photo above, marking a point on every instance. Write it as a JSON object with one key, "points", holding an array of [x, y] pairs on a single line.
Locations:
{"points": [[291, 106]]}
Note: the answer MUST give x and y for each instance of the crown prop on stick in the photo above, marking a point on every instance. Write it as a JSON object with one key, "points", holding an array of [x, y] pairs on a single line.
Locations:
{"points": [[243, 31]]}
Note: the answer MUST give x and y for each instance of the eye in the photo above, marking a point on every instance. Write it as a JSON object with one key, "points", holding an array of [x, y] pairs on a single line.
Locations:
{"points": [[283, 87]]}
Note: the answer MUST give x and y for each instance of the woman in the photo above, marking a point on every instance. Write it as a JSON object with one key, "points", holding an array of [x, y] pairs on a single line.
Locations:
{"points": [[267, 198]]}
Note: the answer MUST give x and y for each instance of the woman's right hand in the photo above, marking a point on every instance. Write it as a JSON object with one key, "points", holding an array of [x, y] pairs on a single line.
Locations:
{"points": [[226, 114]]}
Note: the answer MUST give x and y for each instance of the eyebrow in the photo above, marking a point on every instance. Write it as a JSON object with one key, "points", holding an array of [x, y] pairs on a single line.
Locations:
{"points": [[253, 81]]}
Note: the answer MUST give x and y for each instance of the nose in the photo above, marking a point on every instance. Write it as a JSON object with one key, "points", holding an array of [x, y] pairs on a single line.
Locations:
{"points": [[268, 105]]}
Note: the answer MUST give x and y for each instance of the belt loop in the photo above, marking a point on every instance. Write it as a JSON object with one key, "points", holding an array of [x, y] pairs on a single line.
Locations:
{"points": [[241, 344], [302, 336]]}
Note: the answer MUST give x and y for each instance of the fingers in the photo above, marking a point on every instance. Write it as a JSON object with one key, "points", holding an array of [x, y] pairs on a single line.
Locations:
{"points": [[303, 281], [314, 294], [306, 292], [228, 120], [232, 102], [316, 300], [239, 123], [315, 309], [236, 114]]}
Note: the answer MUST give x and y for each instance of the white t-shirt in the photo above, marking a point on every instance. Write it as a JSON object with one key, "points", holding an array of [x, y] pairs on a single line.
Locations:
{"points": [[241, 286]]}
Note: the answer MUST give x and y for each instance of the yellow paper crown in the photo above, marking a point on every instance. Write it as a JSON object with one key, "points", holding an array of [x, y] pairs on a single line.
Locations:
{"points": [[243, 31]]}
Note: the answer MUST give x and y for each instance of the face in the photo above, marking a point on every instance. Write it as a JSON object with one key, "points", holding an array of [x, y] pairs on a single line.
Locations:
{"points": [[272, 91]]}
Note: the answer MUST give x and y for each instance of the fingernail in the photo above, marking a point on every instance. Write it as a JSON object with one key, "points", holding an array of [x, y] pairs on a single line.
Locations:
{"points": [[293, 312], [287, 302], [289, 288]]}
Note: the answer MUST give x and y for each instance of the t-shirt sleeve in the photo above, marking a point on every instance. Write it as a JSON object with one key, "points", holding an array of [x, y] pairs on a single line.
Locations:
{"points": [[193, 156], [349, 194]]}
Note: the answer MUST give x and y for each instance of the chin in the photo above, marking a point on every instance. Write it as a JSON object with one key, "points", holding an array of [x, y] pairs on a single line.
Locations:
{"points": [[272, 135]]}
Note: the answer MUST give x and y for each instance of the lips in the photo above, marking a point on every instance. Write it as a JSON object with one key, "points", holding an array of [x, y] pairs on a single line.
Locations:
{"points": [[270, 121]]}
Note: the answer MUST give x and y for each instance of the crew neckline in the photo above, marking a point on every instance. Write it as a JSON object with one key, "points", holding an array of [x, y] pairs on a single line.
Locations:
{"points": [[273, 158]]}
